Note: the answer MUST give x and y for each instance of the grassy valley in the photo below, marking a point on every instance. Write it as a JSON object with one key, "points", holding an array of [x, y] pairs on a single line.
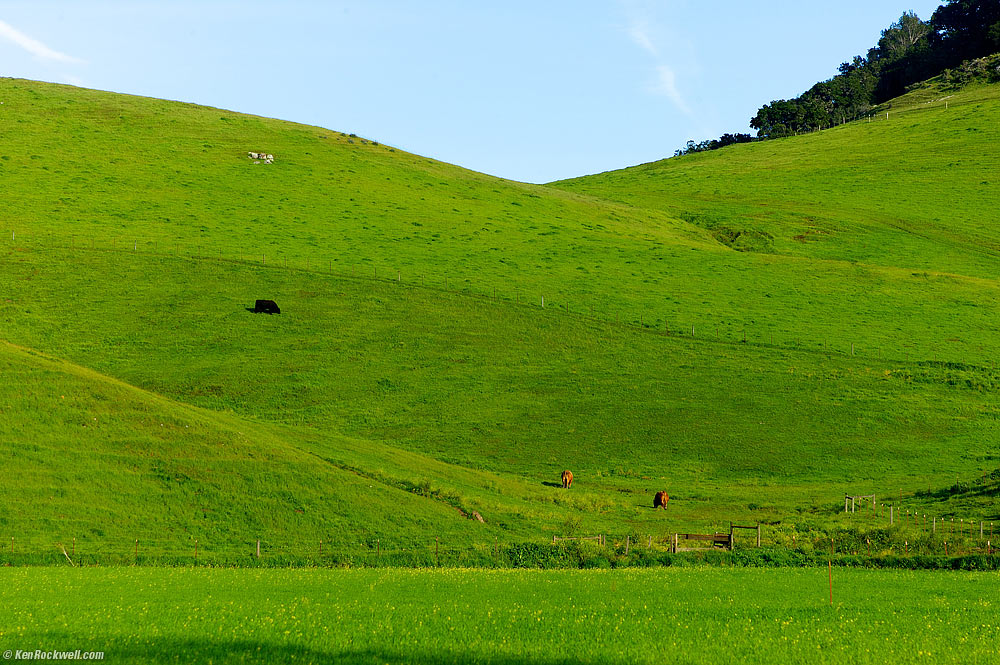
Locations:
{"points": [[414, 378]]}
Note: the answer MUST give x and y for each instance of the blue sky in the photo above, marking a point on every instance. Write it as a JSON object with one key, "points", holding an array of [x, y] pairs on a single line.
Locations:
{"points": [[532, 91]]}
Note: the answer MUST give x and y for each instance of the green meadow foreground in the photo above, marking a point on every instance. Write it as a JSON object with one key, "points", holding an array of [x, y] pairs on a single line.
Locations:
{"points": [[700, 615]]}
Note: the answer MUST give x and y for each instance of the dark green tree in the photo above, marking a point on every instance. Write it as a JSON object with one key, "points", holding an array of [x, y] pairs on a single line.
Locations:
{"points": [[968, 28], [903, 36]]}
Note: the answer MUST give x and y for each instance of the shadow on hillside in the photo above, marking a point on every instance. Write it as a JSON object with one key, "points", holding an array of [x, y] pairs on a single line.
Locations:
{"points": [[551, 484], [204, 651]]}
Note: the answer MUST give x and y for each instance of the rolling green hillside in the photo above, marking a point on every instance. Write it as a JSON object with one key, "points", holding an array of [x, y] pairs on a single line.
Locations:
{"points": [[915, 191], [90, 168], [414, 377], [101, 461]]}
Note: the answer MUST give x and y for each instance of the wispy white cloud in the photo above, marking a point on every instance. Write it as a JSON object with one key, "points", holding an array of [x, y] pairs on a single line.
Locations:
{"points": [[33, 46], [642, 34], [667, 85], [639, 32]]}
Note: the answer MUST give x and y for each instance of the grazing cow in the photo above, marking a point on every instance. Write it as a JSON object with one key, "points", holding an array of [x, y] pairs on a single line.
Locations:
{"points": [[567, 479], [660, 500], [266, 307]]}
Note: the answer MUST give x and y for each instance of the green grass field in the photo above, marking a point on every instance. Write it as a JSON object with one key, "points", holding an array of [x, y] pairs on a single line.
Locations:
{"points": [[693, 615], [414, 379], [219, 445], [758, 331], [915, 191]]}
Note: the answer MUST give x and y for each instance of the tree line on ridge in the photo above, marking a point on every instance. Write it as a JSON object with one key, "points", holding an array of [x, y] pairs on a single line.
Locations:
{"points": [[909, 51]]}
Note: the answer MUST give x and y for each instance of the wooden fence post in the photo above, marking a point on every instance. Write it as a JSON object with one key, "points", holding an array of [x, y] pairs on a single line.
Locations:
{"points": [[258, 548], [758, 534], [628, 543]]}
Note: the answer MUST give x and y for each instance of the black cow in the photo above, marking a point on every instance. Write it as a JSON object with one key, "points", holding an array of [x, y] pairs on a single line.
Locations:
{"points": [[266, 307]]}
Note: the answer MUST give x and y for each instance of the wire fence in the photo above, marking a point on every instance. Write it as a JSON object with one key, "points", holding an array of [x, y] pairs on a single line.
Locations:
{"points": [[925, 532], [876, 530]]}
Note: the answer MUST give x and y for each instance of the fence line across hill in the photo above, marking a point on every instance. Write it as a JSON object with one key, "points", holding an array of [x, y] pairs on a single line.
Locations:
{"points": [[948, 533], [896, 514], [878, 529], [884, 112], [433, 553], [720, 331]]}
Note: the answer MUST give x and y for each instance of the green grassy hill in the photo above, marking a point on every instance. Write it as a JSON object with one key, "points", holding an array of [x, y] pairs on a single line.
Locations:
{"points": [[414, 379], [103, 462], [914, 191]]}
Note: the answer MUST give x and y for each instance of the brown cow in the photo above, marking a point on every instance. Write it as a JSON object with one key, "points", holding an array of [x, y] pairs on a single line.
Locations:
{"points": [[660, 500], [567, 479]]}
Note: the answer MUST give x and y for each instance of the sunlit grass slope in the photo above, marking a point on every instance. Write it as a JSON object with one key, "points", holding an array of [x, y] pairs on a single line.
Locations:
{"points": [[479, 404], [84, 167], [161, 173], [98, 463], [136, 226], [917, 190], [92, 458]]}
